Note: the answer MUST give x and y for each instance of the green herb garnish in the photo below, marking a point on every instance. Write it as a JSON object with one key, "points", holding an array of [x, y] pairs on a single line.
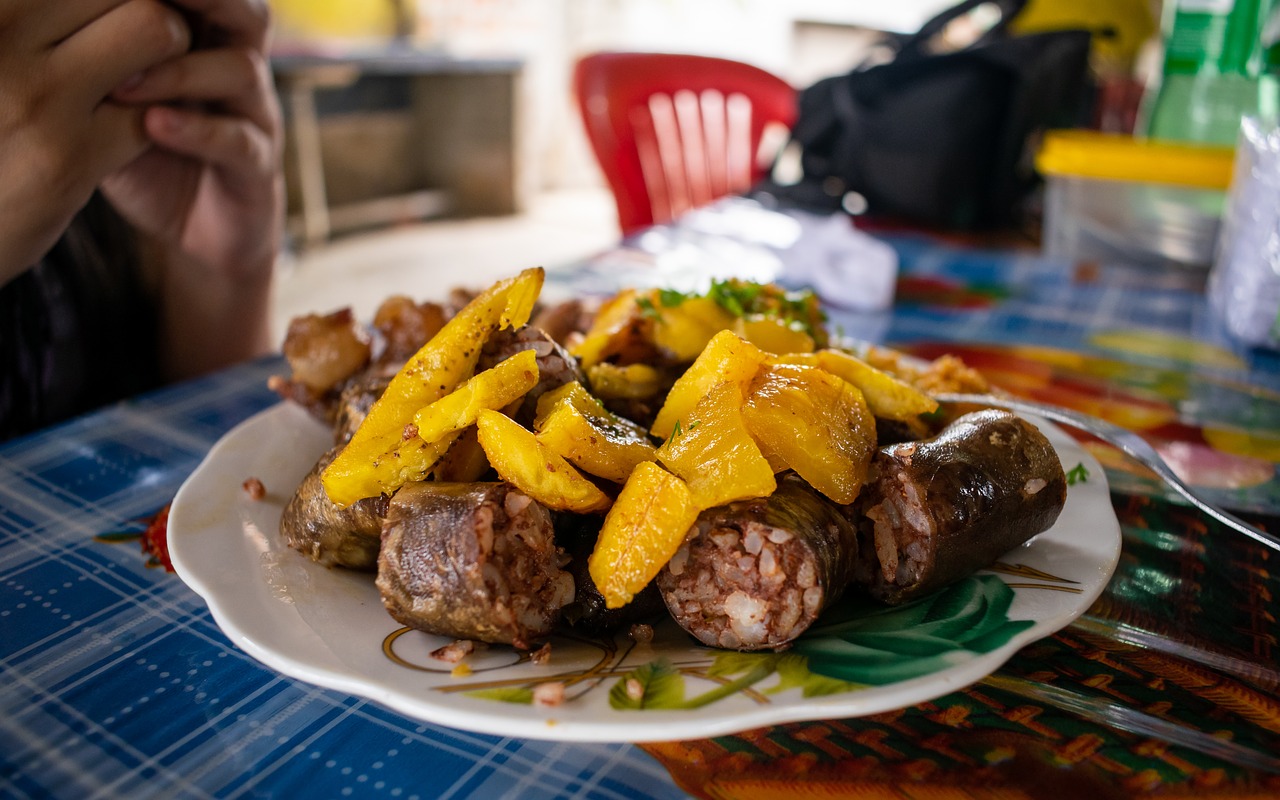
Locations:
{"points": [[670, 298], [798, 310], [1077, 474], [647, 308]]}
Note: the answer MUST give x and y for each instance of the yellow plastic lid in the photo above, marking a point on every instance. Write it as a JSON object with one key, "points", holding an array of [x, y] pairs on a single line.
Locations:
{"points": [[1109, 156]]}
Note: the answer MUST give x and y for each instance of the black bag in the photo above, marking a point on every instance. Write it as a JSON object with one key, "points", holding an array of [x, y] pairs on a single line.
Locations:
{"points": [[943, 140]]}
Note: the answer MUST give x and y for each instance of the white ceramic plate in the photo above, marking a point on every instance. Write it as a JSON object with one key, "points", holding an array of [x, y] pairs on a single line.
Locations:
{"points": [[328, 626]]}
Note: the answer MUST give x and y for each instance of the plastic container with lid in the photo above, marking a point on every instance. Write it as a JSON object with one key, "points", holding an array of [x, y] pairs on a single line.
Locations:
{"points": [[1115, 199]]}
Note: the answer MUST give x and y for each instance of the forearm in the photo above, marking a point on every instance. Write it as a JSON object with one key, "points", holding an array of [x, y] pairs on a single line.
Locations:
{"points": [[209, 320]]}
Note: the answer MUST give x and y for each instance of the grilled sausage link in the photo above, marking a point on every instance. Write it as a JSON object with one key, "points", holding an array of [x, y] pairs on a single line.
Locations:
{"points": [[755, 574], [939, 509], [472, 561], [333, 536]]}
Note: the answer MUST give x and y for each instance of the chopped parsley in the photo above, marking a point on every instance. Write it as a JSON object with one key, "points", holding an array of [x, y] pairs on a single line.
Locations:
{"points": [[1077, 474], [670, 298], [678, 430], [647, 308], [744, 299]]}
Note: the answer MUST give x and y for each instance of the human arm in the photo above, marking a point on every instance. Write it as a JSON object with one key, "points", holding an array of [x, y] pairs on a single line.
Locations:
{"points": [[207, 197]]}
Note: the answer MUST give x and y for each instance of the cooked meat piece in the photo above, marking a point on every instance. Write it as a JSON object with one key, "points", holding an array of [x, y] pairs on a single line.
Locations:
{"points": [[458, 298], [893, 431], [755, 574], [321, 406], [563, 320], [939, 509], [472, 561], [555, 366], [354, 402], [342, 537], [588, 614], [405, 326], [334, 360], [949, 374], [324, 350]]}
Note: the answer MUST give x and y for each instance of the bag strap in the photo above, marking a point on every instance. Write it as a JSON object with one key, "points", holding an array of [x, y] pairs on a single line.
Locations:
{"points": [[913, 44]]}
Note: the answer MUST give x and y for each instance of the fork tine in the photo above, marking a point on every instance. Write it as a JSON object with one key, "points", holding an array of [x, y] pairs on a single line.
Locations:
{"points": [[1127, 441]]}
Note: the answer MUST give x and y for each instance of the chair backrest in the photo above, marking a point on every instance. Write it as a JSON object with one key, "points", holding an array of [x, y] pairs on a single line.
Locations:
{"points": [[674, 132]]}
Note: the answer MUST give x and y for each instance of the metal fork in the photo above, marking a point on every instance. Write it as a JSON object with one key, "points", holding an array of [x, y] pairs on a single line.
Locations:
{"points": [[1128, 441], [1106, 712]]}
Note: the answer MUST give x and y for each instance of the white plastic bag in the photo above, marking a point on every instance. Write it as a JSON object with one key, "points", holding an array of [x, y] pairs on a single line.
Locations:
{"points": [[1244, 285]]}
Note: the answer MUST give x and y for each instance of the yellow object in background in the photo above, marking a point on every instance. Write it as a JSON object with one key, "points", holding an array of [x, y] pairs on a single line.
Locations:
{"points": [[1103, 156], [1120, 27], [328, 19]]}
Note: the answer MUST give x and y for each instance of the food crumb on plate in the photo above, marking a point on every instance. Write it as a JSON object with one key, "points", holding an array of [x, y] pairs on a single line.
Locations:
{"points": [[254, 488], [455, 651], [548, 694], [542, 655], [641, 633]]}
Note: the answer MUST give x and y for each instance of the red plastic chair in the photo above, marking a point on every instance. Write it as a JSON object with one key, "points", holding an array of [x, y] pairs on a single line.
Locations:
{"points": [[674, 132]]}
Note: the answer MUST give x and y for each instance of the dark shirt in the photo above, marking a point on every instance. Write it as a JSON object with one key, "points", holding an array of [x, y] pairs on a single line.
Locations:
{"points": [[77, 331]]}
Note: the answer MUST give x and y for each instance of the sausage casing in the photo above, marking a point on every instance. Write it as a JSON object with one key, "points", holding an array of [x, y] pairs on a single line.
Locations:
{"points": [[472, 561], [333, 536], [942, 508], [755, 574]]}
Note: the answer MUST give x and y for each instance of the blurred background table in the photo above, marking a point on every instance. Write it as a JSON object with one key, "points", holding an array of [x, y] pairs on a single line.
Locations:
{"points": [[434, 134], [115, 681]]}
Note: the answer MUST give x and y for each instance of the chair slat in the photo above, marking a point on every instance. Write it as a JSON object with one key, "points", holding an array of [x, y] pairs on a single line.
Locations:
{"points": [[673, 132]]}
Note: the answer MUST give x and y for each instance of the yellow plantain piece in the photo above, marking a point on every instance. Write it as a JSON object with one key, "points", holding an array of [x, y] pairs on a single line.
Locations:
{"points": [[630, 382], [534, 469], [610, 323], [712, 451], [682, 331], [493, 389], [641, 533], [575, 425], [773, 335], [380, 458], [886, 396], [727, 357], [808, 420]]}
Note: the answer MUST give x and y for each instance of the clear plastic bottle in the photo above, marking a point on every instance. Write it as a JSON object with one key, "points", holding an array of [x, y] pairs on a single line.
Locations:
{"points": [[1220, 64]]}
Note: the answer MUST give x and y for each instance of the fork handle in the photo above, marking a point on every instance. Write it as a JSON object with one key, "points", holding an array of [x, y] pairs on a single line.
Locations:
{"points": [[1129, 442]]}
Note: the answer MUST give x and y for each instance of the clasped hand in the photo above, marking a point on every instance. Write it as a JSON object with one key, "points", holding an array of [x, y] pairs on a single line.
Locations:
{"points": [[167, 107]]}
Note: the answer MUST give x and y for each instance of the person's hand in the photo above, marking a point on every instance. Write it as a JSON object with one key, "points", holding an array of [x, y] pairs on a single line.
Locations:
{"points": [[60, 133], [209, 191]]}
